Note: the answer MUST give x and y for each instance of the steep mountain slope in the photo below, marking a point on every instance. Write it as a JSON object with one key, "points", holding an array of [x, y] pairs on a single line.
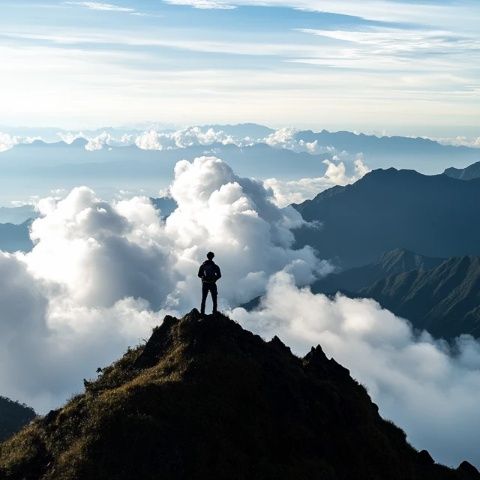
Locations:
{"points": [[390, 263], [15, 237], [445, 300], [435, 216], [209, 400], [467, 173], [13, 417]]}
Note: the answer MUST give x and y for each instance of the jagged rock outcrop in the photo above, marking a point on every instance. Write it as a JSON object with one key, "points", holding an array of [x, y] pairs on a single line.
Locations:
{"points": [[205, 399]]}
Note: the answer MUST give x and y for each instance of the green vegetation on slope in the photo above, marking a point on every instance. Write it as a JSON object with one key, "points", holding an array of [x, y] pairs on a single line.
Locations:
{"points": [[444, 301]]}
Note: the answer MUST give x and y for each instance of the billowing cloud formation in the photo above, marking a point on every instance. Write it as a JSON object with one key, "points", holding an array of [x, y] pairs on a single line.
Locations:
{"points": [[154, 139], [8, 141], [102, 274], [426, 387], [297, 191], [188, 137]]}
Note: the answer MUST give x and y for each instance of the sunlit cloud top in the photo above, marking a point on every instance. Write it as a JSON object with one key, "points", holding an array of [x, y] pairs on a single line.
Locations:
{"points": [[399, 66]]}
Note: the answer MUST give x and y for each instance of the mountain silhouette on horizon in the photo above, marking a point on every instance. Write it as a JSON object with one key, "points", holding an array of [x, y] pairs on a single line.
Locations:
{"points": [[206, 399]]}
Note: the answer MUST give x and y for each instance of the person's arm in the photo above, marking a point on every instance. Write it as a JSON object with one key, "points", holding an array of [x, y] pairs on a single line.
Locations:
{"points": [[200, 272], [219, 273]]}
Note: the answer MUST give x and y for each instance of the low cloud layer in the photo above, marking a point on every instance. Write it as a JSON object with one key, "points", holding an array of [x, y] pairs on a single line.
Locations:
{"points": [[429, 389], [171, 139], [102, 274], [159, 139]]}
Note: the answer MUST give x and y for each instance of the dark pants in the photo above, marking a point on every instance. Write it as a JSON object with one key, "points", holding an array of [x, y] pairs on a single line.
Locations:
{"points": [[212, 288]]}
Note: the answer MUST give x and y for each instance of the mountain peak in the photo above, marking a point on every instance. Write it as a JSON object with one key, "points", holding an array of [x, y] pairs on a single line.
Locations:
{"points": [[204, 398]]}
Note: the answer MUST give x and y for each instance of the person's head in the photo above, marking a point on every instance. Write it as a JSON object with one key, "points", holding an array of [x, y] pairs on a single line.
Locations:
{"points": [[210, 255]]}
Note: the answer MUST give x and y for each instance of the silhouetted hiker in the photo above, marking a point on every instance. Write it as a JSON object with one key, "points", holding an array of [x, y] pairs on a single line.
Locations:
{"points": [[209, 272]]}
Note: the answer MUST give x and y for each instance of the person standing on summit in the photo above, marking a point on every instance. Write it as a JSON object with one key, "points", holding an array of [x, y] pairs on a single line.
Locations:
{"points": [[209, 272]]}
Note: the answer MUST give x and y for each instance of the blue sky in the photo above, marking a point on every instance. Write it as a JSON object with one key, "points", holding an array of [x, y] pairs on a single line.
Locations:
{"points": [[375, 65]]}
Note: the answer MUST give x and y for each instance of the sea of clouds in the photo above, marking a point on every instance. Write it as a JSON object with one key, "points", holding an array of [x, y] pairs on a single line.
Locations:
{"points": [[102, 274]]}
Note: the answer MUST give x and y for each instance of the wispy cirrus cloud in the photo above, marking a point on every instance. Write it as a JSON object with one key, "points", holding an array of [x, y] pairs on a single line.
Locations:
{"points": [[402, 41], [398, 47], [205, 4], [106, 7], [411, 60]]}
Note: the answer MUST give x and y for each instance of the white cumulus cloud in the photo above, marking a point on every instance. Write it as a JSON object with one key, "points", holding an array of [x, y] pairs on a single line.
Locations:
{"points": [[297, 191], [101, 274]]}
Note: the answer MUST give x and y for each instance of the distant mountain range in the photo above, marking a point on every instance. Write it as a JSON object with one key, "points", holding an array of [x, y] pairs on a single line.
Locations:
{"points": [[205, 399], [421, 154], [39, 167], [13, 417], [435, 216]]}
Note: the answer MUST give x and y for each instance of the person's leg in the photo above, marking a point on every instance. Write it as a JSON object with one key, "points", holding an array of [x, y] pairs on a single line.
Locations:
{"points": [[214, 292], [204, 297]]}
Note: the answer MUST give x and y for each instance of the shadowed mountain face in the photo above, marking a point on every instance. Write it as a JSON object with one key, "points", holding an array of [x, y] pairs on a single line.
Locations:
{"points": [[444, 301], [468, 173], [13, 417], [209, 400], [436, 216], [390, 263]]}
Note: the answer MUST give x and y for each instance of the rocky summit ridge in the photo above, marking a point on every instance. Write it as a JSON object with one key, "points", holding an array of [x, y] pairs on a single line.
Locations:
{"points": [[206, 399]]}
